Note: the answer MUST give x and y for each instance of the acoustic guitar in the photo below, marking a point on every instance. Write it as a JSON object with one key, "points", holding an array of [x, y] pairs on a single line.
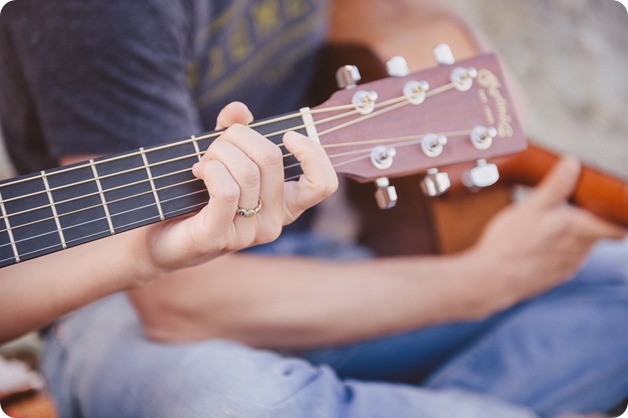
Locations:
{"points": [[404, 124]]}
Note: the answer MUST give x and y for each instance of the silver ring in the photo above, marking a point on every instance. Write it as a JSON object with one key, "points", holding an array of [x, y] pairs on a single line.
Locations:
{"points": [[247, 213]]}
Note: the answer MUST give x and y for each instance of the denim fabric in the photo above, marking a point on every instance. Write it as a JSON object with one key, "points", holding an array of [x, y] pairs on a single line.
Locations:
{"points": [[563, 351]]}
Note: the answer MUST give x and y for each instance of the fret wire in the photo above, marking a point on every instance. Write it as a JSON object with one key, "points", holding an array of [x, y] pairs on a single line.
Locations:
{"points": [[16, 255], [196, 148], [102, 197], [53, 208], [152, 184]]}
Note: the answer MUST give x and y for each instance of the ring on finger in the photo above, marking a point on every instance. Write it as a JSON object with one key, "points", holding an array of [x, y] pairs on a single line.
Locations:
{"points": [[247, 213]]}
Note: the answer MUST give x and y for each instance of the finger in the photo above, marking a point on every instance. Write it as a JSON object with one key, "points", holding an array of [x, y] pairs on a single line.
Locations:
{"points": [[269, 160], [244, 171], [212, 224], [558, 185], [234, 112], [593, 227], [318, 181]]}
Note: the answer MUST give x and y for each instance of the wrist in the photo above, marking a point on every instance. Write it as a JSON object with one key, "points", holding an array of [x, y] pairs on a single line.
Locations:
{"points": [[486, 284], [141, 265]]}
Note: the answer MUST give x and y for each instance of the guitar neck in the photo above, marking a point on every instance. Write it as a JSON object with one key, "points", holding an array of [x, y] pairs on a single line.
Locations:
{"points": [[67, 206], [602, 194]]}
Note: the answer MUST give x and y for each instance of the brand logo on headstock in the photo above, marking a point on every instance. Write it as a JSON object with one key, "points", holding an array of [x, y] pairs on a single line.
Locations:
{"points": [[492, 89]]}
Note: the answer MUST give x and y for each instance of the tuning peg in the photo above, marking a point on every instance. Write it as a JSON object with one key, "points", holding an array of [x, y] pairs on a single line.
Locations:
{"points": [[482, 137], [348, 77], [443, 54], [432, 145], [385, 194], [397, 66], [435, 183], [482, 175], [382, 156]]}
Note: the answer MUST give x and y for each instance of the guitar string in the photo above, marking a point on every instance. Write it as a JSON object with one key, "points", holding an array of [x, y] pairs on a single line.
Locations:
{"points": [[203, 189], [152, 165], [394, 100], [211, 135], [322, 121], [156, 217], [183, 210], [367, 151]]}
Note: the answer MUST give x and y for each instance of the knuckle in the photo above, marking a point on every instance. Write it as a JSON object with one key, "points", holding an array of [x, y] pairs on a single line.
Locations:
{"points": [[229, 195], [269, 233], [250, 176], [272, 156]]}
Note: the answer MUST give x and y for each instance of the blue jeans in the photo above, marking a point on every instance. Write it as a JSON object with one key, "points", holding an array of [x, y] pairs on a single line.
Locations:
{"points": [[566, 350]]}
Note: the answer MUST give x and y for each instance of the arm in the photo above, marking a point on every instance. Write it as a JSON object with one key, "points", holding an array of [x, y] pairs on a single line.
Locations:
{"points": [[239, 168]]}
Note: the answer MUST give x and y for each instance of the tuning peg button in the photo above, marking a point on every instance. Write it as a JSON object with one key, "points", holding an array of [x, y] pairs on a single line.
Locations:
{"points": [[435, 183], [397, 66], [348, 76], [385, 194], [482, 175], [443, 54]]}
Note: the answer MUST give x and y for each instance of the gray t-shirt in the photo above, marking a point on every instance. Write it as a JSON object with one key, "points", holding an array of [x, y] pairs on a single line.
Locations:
{"points": [[91, 77]]}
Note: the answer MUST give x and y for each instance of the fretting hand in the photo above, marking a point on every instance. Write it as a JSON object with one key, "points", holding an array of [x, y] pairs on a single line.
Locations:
{"points": [[242, 171]]}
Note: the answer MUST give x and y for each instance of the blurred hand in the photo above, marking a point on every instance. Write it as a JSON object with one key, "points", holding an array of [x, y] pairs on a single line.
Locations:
{"points": [[241, 169], [542, 241]]}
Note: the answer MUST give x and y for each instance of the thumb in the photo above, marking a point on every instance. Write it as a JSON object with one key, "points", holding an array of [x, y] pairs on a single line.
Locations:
{"points": [[559, 184], [319, 179]]}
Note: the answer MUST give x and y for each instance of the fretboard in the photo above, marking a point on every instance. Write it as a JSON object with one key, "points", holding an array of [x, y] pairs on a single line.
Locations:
{"points": [[67, 206]]}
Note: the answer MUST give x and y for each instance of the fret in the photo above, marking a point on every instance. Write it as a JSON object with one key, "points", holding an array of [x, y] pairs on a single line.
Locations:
{"points": [[7, 248], [54, 209], [128, 191], [81, 212], [102, 196], [197, 150], [30, 217], [152, 184]]}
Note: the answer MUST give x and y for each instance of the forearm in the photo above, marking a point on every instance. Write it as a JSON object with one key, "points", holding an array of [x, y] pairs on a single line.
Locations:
{"points": [[292, 302], [37, 291]]}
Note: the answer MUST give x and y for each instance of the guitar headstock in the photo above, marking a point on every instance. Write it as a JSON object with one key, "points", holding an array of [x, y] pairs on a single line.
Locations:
{"points": [[420, 122]]}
